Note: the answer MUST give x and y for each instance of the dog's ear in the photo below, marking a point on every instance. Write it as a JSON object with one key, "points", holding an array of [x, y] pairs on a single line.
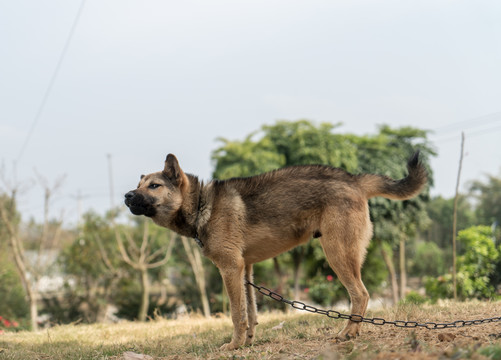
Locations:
{"points": [[173, 171]]}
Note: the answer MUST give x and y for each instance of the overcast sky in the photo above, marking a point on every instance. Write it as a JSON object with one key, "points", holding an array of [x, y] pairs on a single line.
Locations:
{"points": [[140, 79]]}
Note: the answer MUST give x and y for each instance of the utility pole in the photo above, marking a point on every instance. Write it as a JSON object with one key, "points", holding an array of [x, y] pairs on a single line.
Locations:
{"points": [[454, 221]]}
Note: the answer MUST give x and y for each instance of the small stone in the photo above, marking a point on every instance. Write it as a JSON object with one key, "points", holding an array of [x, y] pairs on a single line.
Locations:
{"points": [[446, 337]]}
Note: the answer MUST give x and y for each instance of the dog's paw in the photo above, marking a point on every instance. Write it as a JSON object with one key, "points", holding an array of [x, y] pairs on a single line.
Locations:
{"points": [[345, 336], [248, 340], [229, 347], [341, 338]]}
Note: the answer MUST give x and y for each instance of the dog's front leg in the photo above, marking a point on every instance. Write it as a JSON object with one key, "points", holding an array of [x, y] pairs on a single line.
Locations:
{"points": [[233, 277]]}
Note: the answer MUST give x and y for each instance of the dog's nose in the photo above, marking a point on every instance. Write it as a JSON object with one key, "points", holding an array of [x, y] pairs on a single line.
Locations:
{"points": [[129, 195]]}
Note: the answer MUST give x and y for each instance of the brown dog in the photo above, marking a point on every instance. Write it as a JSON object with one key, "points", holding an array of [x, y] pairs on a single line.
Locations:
{"points": [[241, 221]]}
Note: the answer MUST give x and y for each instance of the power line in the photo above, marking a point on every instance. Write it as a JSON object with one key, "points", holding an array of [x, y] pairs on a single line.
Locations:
{"points": [[478, 121], [471, 133], [473, 127], [51, 82]]}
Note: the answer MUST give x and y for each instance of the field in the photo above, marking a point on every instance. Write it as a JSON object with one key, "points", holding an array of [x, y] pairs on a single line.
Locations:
{"points": [[279, 336]]}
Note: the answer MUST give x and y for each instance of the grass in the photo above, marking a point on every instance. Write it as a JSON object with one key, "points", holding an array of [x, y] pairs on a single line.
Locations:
{"points": [[302, 336]]}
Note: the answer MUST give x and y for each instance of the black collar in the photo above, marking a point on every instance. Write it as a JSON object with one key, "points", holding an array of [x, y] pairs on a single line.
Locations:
{"points": [[198, 241], [197, 236]]}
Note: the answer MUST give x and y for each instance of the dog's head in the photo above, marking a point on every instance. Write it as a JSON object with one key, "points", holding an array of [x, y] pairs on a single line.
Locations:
{"points": [[159, 195]]}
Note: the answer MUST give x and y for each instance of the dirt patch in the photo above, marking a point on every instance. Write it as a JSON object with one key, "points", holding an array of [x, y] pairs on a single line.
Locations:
{"points": [[397, 343]]}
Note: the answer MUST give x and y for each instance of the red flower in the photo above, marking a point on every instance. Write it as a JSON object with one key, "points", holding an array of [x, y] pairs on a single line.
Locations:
{"points": [[6, 322], [15, 324], [306, 290], [330, 277]]}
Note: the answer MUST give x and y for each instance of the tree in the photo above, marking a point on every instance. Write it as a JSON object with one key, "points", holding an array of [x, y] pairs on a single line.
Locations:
{"points": [[440, 212], [143, 255], [245, 158], [195, 260], [30, 272], [488, 195], [92, 265]]}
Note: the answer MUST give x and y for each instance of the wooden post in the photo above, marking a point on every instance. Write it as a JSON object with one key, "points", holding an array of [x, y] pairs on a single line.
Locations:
{"points": [[454, 221]]}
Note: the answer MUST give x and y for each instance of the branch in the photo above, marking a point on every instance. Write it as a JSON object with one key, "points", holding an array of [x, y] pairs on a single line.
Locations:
{"points": [[104, 255], [132, 245], [167, 254], [190, 252], [123, 252], [144, 243]]}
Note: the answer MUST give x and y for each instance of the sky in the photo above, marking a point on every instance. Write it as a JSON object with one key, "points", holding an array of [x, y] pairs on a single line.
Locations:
{"points": [[89, 84]]}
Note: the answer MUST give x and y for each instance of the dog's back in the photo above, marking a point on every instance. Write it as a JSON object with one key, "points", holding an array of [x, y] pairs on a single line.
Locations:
{"points": [[293, 190]]}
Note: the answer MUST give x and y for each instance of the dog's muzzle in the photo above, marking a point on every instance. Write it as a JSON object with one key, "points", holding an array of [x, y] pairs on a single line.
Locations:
{"points": [[139, 204]]}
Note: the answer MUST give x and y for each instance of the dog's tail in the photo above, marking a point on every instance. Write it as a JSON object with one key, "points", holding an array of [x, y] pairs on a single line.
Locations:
{"points": [[403, 189]]}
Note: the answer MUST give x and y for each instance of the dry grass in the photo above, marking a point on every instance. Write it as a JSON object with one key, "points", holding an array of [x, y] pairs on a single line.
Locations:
{"points": [[302, 336]]}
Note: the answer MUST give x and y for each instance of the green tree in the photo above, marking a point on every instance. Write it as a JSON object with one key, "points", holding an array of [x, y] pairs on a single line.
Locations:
{"points": [[91, 264], [245, 158], [427, 260], [440, 212], [147, 247], [488, 195]]}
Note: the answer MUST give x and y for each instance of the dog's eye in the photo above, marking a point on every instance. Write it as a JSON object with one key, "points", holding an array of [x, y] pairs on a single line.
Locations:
{"points": [[153, 186]]}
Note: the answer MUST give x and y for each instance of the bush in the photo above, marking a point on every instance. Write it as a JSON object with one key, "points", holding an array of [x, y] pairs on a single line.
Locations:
{"points": [[13, 304], [428, 260], [325, 291], [475, 268], [439, 287], [7, 325], [413, 298]]}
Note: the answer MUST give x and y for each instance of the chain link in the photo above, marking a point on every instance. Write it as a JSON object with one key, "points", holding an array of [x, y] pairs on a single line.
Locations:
{"points": [[333, 314]]}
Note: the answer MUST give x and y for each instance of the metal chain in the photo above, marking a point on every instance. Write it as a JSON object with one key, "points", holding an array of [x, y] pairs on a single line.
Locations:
{"points": [[374, 321]]}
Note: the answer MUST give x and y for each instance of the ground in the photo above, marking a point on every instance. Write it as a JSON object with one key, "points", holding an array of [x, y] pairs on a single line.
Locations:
{"points": [[279, 336]]}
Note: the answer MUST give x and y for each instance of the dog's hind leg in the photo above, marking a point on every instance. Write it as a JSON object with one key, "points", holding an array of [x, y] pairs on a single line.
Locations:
{"points": [[251, 306], [345, 246], [233, 277]]}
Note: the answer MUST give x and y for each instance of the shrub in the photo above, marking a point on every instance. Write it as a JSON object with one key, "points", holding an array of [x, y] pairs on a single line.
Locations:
{"points": [[13, 304], [475, 268], [413, 298], [325, 291], [6, 324], [428, 260]]}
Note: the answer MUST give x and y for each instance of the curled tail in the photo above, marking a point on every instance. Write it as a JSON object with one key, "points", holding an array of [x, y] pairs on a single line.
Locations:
{"points": [[403, 189]]}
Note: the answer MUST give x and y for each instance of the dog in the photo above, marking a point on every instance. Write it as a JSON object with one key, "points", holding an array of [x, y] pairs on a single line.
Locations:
{"points": [[241, 221]]}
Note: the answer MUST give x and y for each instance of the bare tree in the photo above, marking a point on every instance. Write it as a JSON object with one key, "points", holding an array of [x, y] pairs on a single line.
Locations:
{"points": [[387, 258], [142, 258], [30, 272], [195, 260]]}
